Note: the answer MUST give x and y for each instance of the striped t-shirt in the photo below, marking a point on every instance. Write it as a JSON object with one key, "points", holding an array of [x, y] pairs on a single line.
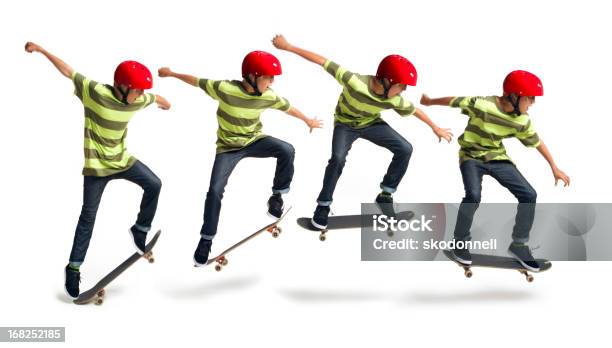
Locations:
{"points": [[487, 126], [358, 106], [238, 112], [106, 121]]}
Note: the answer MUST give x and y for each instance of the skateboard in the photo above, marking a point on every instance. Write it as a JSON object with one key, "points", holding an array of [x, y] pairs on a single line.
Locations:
{"points": [[221, 259], [349, 221], [97, 292], [480, 260]]}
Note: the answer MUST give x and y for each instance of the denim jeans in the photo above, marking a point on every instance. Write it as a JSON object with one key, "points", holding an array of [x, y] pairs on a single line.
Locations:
{"points": [[506, 173], [380, 134], [225, 163], [93, 187]]}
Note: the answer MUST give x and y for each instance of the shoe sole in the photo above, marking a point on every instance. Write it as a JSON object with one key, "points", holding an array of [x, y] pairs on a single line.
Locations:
{"points": [[518, 259], [460, 260], [316, 225], [197, 264]]}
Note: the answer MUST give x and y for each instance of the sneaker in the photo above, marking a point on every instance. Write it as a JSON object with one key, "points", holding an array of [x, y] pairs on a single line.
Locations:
{"points": [[200, 257], [139, 239], [385, 203], [72, 278], [522, 254], [462, 255], [319, 218], [275, 206]]}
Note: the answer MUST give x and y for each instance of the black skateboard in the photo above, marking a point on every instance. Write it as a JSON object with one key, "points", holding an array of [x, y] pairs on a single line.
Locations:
{"points": [[221, 259], [96, 294], [349, 221], [504, 262]]}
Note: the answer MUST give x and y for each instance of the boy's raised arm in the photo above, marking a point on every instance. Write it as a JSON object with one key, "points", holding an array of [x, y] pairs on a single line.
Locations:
{"points": [[281, 43], [63, 68], [166, 72]]}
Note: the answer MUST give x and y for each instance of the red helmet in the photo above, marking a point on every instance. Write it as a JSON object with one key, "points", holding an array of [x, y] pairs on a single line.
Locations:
{"points": [[133, 75], [523, 83], [260, 63], [397, 69]]}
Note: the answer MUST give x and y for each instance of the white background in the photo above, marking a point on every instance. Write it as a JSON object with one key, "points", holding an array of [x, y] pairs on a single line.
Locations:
{"points": [[295, 290]]}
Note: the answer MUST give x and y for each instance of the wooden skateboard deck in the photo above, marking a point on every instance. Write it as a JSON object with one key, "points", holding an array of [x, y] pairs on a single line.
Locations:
{"points": [[503, 262], [348, 221], [221, 259], [96, 293]]}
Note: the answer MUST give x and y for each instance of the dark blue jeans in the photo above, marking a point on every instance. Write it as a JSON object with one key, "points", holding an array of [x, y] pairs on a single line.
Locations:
{"points": [[225, 163], [506, 173], [380, 134], [94, 186]]}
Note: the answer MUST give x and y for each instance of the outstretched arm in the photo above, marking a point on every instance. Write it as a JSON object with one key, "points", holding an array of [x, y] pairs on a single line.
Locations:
{"points": [[281, 43], [63, 68], [427, 101], [310, 122], [441, 133], [166, 72], [558, 173]]}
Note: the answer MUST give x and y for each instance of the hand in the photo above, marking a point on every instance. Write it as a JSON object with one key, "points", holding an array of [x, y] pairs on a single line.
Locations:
{"points": [[443, 133], [164, 72], [314, 123], [560, 175], [280, 42], [425, 100], [162, 103], [32, 47]]}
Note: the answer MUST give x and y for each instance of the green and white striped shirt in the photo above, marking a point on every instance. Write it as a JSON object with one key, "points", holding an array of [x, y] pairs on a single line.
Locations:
{"points": [[358, 106], [239, 112], [487, 126], [106, 121]]}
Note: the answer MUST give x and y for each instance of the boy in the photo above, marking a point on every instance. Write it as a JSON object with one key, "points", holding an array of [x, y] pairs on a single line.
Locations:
{"points": [[492, 119], [108, 110], [357, 116], [239, 135]]}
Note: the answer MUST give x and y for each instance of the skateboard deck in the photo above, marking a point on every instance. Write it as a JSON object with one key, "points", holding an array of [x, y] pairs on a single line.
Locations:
{"points": [[221, 259], [503, 262], [348, 221], [97, 292]]}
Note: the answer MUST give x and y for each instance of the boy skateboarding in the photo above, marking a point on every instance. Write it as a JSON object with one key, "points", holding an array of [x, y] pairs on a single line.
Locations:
{"points": [[108, 109], [357, 115], [239, 135], [492, 119]]}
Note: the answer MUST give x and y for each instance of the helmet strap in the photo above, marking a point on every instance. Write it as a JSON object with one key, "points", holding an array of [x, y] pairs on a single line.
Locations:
{"points": [[253, 84], [514, 101], [124, 94], [386, 87]]}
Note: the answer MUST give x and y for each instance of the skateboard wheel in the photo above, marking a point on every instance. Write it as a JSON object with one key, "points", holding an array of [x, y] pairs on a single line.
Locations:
{"points": [[529, 278], [224, 262], [218, 268], [279, 230], [275, 234], [99, 301], [468, 273]]}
